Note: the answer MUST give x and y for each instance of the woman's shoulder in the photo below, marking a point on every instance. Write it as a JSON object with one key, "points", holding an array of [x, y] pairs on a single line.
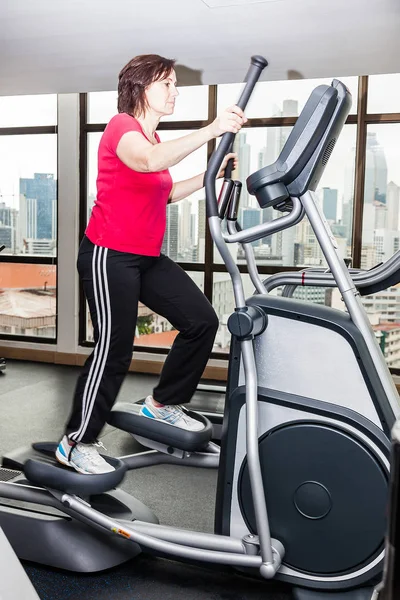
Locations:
{"points": [[118, 125], [123, 119]]}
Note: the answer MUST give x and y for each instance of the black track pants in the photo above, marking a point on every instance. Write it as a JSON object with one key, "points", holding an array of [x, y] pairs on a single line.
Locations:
{"points": [[113, 283]]}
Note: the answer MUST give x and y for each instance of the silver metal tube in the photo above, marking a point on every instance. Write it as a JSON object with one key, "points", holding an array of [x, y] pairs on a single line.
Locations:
{"points": [[349, 294], [193, 539], [260, 231], [205, 460], [288, 291], [250, 260], [27, 493], [323, 278], [253, 456], [204, 387], [81, 509], [216, 233]]}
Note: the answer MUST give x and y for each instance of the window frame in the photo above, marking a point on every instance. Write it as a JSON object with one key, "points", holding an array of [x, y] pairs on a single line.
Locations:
{"points": [[361, 119]]}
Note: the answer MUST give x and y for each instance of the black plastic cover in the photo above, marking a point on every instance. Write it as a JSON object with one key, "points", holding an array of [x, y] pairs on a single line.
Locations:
{"points": [[269, 184], [308, 148], [125, 416], [49, 474]]}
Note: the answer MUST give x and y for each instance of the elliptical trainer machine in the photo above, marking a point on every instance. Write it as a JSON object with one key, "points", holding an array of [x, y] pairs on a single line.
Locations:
{"points": [[315, 465], [304, 464]]}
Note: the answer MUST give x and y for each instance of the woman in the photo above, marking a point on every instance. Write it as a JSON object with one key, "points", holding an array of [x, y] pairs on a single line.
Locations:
{"points": [[120, 264]]}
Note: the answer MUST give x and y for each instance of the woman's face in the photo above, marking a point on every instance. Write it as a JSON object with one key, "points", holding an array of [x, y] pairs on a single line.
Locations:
{"points": [[160, 95]]}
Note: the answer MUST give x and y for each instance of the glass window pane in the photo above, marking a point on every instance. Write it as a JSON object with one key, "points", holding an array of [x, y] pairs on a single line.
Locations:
{"points": [[185, 234], [223, 301], [93, 141], [190, 105], [279, 98], [152, 330], [28, 194], [26, 111], [384, 94], [336, 191], [383, 309], [28, 299], [102, 106], [258, 147], [380, 236]]}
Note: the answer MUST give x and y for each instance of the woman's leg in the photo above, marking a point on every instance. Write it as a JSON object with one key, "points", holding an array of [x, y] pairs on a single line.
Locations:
{"points": [[111, 282], [170, 292]]}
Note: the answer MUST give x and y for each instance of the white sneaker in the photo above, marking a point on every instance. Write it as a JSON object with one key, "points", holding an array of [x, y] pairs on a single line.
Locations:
{"points": [[172, 415], [84, 458]]}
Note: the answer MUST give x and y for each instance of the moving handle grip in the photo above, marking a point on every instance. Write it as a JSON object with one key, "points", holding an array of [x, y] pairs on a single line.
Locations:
{"points": [[258, 64]]}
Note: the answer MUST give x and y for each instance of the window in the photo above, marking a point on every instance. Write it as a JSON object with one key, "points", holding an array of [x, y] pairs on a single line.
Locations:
{"points": [[223, 301], [190, 105], [380, 227], [384, 94], [93, 140], [258, 147], [380, 234], [28, 216], [28, 111], [186, 221], [28, 300], [102, 106], [272, 113], [184, 239], [280, 98], [28, 194]]}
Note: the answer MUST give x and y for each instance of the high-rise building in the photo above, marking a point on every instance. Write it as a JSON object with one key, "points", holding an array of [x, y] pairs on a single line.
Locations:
{"points": [[184, 227], [201, 230], [192, 229], [250, 217], [39, 196], [329, 203], [6, 237], [6, 218], [242, 148], [375, 171], [392, 205], [267, 216], [170, 243], [385, 305], [347, 221], [386, 243], [311, 250], [8, 225], [380, 215], [282, 243]]}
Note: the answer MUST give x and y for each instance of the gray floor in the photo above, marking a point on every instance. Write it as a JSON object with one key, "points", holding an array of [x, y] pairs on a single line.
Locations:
{"points": [[34, 403]]}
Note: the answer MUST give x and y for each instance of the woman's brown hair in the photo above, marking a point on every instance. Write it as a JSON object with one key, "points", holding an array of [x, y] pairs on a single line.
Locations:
{"points": [[136, 76]]}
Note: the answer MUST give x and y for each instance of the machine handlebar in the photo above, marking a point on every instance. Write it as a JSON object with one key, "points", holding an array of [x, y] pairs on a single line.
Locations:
{"points": [[258, 64]]}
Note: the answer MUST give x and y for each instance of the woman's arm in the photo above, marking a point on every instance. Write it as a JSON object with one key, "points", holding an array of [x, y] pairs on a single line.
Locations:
{"points": [[139, 154], [183, 189]]}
